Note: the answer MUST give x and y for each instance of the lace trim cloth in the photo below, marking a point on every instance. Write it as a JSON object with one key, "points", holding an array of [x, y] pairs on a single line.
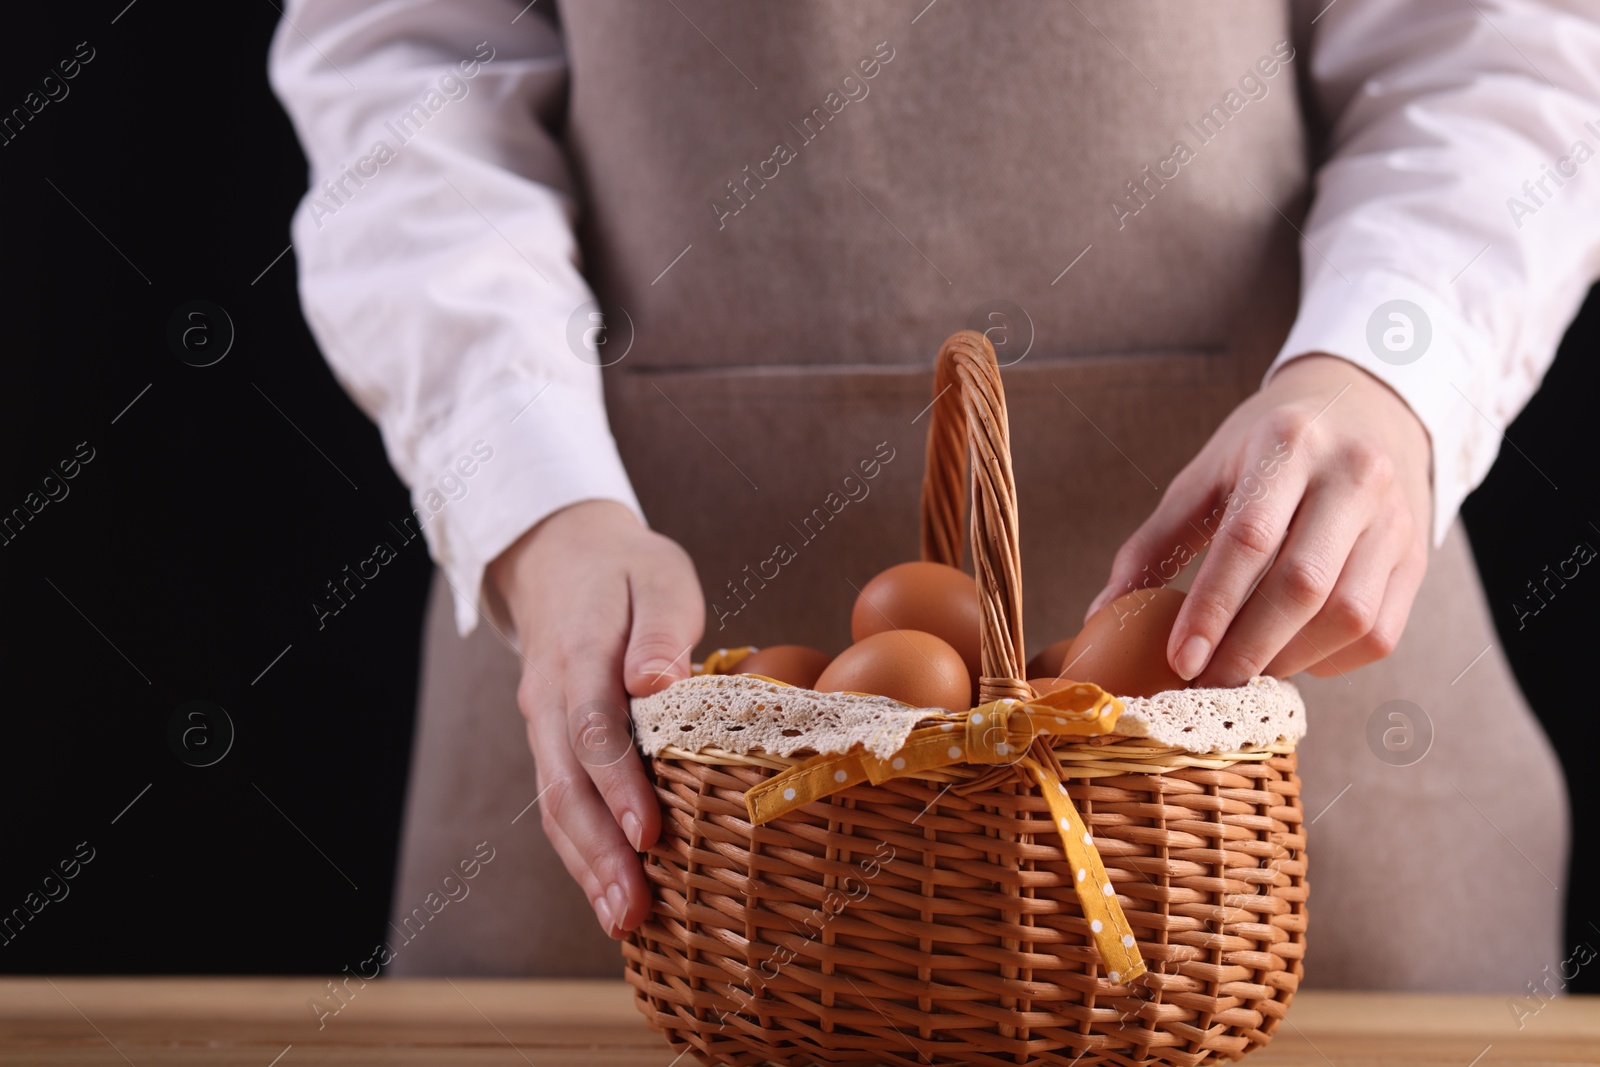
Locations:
{"points": [[742, 713]]}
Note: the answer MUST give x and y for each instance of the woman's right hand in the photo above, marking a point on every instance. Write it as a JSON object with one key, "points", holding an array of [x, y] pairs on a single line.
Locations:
{"points": [[604, 609]]}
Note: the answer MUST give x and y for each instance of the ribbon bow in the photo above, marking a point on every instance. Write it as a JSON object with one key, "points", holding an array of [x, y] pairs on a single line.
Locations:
{"points": [[1000, 732]]}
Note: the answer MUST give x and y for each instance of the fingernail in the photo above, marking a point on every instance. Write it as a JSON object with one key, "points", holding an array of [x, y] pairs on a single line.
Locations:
{"points": [[656, 670], [1192, 657], [631, 827], [602, 911], [617, 904], [1095, 604]]}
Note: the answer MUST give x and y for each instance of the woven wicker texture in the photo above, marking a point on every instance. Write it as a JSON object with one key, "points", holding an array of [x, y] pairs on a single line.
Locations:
{"points": [[933, 919], [969, 416]]}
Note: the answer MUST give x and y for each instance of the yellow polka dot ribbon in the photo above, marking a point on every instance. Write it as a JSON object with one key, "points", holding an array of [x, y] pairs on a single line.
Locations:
{"points": [[722, 661], [1000, 732]]}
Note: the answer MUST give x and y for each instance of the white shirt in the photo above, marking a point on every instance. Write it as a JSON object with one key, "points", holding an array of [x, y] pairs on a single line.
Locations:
{"points": [[1460, 174]]}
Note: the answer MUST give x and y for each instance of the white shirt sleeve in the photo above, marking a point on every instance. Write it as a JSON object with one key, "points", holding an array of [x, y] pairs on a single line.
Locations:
{"points": [[1460, 179], [438, 267]]}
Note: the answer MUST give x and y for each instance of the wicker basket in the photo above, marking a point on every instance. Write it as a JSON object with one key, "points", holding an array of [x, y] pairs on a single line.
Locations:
{"points": [[953, 928]]}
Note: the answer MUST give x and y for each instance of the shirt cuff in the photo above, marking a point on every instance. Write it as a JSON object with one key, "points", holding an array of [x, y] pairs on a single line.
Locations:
{"points": [[522, 453], [1402, 333]]}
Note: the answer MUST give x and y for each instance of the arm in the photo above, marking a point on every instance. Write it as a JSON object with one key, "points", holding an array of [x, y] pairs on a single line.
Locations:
{"points": [[439, 272], [1437, 112], [1445, 124], [438, 268]]}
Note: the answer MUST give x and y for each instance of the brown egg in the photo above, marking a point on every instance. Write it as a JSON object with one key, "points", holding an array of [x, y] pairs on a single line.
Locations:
{"points": [[1122, 648], [1048, 663], [795, 664], [930, 597], [1041, 686], [908, 665]]}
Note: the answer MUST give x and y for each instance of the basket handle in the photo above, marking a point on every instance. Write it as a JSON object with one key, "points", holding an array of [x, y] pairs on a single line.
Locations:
{"points": [[969, 421]]}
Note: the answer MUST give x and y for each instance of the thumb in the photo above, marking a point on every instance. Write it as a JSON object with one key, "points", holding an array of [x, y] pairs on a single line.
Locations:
{"points": [[668, 619], [1163, 544]]}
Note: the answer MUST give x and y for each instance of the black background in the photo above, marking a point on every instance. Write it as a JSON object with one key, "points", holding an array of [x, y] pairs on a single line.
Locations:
{"points": [[186, 555]]}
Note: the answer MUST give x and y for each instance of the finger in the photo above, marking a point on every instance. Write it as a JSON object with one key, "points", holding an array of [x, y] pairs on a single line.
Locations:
{"points": [[572, 859], [668, 617], [1159, 548], [1319, 540], [1351, 607], [590, 633], [1384, 635], [599, 858], [1255, 520], [600, 736], [577, 867]]}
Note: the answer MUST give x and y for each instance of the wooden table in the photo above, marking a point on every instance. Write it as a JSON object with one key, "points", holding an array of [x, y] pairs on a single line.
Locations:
{"points": [[268, 1022]]}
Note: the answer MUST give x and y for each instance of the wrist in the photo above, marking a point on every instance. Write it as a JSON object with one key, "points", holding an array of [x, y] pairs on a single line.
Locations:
{"points": [[1323, 369], [1389, 418], [578, 522]]}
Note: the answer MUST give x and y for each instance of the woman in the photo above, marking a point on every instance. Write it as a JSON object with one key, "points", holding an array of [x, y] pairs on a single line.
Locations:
{"points": [[782, 216]]}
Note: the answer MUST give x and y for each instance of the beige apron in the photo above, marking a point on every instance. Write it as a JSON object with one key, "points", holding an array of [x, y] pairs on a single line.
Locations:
{"points": [[1012, 161]]}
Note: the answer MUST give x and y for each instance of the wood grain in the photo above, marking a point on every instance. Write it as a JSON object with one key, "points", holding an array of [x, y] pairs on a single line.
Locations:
{"points": [[476, 1022]]}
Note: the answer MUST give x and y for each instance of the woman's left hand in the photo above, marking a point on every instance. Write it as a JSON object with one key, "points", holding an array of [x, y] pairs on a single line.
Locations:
{"points": [[1330, 507]]}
